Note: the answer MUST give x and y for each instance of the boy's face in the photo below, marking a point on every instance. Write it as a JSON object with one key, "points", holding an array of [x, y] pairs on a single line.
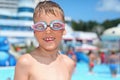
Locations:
{"points": [[49, 39]]}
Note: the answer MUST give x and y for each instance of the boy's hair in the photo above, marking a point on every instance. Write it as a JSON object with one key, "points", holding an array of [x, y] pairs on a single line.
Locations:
{"points": [[48, 7]]}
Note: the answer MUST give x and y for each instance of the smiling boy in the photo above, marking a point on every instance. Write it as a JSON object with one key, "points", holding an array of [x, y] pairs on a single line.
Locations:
{"points": [[45, 62]]}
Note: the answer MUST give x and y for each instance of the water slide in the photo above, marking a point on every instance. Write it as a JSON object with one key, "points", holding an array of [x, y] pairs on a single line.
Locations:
{"points": [[82, 57]]}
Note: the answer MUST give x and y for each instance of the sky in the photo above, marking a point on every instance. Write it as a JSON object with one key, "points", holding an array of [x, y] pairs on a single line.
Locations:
{"points": [[95, 10]]}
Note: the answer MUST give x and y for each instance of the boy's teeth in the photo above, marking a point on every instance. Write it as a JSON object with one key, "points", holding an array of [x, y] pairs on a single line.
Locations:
{"points": [[49, 39]]}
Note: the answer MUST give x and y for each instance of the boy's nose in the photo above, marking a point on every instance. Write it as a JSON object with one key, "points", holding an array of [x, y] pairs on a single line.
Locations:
{"points": [[48, 30]]}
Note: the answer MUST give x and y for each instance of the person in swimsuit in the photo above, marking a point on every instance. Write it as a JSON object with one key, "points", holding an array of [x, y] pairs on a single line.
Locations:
{"points": [[92, 59], [102, 57], [45, 62], [113, 60], [71, 53]]}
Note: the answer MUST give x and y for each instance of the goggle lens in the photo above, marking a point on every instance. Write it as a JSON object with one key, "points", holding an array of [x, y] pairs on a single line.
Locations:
{"points": [[54, 25], [39, 26]]}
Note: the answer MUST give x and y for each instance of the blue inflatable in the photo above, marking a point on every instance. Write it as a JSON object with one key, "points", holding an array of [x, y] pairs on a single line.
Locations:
{"points": [[12, 60], [3, 58], [6, 59], [4, 45], [82, 57]]}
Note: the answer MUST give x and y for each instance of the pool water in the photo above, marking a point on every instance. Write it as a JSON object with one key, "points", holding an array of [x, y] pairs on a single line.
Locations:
{"points": [[101, 72], [6, 73]]}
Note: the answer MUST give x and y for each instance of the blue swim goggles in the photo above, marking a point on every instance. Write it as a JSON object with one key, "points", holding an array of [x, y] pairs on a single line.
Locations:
{"points": [[54, 25]]}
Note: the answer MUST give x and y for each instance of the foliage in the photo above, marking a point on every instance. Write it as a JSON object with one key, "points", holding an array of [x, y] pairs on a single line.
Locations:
{"points": [[93, 26], [110, 23], [83, 26]]}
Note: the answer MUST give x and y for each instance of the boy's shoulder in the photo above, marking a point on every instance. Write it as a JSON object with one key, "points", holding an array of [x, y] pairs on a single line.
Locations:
{"points": [[69, 63], [67, 59], [25, 60]]}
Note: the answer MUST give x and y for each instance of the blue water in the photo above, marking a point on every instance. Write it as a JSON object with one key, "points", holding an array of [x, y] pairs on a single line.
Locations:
{"points": [[101, 72], [6, 72]]}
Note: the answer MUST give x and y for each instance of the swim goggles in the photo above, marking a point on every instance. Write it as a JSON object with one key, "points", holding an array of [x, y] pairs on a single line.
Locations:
{"points": [[54, 25]]}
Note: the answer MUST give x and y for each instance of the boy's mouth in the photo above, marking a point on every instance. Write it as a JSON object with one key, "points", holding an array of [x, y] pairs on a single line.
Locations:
{"points": [[48, 39]]}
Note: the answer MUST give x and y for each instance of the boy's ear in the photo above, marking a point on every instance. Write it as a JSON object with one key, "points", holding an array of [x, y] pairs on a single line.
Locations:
{"points": [[64, 32]]}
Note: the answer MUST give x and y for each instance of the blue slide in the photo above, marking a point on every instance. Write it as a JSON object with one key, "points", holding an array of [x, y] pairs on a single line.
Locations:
{"points": [[82, 57]]}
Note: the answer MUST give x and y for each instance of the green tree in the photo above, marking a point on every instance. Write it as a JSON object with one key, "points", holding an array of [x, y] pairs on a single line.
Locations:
{"points": [[91, 25], [110, 23]]}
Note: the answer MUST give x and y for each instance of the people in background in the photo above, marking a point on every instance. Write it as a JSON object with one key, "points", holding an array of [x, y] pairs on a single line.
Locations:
{"points": [[102, 57], [92, 58], [113, 61], [71, 53]]}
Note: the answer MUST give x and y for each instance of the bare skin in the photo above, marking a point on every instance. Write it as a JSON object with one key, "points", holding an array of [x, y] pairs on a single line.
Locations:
{"points": [[36, 69], [92, 58], [45, 63]]}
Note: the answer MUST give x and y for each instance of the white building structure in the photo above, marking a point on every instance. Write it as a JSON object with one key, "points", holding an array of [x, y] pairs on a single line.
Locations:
{"points": [[111, 38]]}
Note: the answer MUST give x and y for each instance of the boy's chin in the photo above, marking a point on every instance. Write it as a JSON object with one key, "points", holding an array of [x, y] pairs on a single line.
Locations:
{"points": [[50, 48]]}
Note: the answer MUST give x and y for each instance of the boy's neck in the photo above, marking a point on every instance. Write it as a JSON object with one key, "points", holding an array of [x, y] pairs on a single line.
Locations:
{"points": [[45, 57], [45, 53]]}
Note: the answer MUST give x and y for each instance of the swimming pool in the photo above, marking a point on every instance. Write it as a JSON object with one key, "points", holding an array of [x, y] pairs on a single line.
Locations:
{"points": [[102, 72], [6, 73]]}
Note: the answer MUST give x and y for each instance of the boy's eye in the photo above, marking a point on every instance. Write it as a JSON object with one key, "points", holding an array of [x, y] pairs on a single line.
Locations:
{"points": [[40, 26], [57, 25]]}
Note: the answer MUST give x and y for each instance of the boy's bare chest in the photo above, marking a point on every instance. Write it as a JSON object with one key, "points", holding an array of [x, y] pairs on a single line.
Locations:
{"points": [[51, 72]]}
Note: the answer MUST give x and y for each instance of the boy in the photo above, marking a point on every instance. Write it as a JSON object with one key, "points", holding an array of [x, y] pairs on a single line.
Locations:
{"points": [[45, 62]]}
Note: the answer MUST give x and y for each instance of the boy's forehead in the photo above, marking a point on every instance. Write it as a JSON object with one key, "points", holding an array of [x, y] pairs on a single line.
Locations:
{"points": [[47, 17]]}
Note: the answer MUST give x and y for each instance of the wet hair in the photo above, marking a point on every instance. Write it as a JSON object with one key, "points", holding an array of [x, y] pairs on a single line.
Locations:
{"points": [[47, 7]]}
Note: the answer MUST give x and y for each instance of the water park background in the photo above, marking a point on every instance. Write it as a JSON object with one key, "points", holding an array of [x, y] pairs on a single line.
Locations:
{"points": [[17, 38]]}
